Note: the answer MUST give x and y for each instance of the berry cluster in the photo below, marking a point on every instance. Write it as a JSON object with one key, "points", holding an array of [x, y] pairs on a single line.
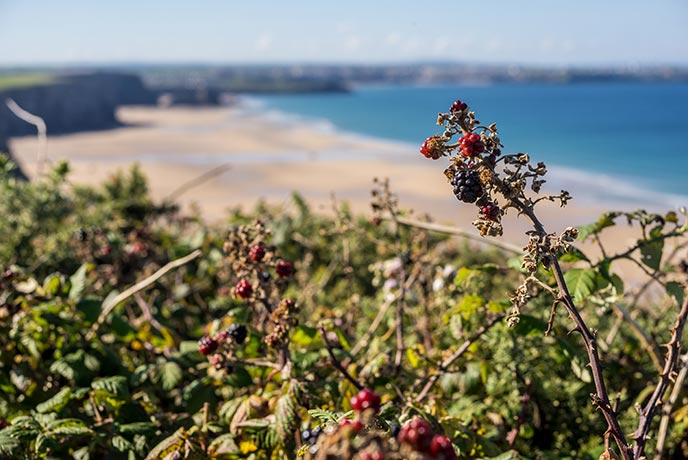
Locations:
{"points": [[284, 269], [244, 289], [418, 435], [490, 212], [207, 345], [364, 400], [256, 253], [467, 185], [433, 147], [471, 145], [458, 107]]}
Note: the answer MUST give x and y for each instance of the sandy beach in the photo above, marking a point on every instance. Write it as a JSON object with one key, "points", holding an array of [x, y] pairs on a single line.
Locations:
{"points": [[266, 159]]}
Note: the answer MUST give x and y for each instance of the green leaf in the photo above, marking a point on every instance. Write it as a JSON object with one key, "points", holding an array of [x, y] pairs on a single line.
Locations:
{"points": [[581, 282], [57, 402], [469, 305], [78, 282], [651, 252], [121, 443], [676, 291], [170, 375], [286, 418], [138, 428], [69, 426], [605, 220], [52, 285], [573, 255], [115, 385]]}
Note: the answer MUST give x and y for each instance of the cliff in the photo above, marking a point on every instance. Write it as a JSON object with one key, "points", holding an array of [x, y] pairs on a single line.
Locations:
{"points": [[71, 103]]}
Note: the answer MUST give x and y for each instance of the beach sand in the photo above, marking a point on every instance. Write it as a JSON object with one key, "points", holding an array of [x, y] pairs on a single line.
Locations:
{"points": [[268, 160]]}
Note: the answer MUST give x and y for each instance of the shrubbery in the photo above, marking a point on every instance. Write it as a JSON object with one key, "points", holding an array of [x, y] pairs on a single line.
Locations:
{"points": [[105, 295]]}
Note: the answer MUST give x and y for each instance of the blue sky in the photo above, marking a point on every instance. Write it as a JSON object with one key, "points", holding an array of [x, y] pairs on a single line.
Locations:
{"points": [[539, 32]]}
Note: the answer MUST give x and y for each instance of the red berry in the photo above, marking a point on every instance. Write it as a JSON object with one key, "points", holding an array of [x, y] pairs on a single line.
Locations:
{"points": [[207, 345], [256, 253], [433, 147], [284, 268], [365, 399], [367, 455], [441, 447], [417, 433], [490, 211], [354, 425], [471, 145], [243, 289], [458, 106], [221, 337]]}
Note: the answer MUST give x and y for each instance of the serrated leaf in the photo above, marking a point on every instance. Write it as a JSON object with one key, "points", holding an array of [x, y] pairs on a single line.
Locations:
{"points": [[573, 255], [57, 402], [138, 428], [115, 385], [605, 220], [78, 282], [170, 375], [121, 443], [286, 419], [325, 416], [651, 252], [581, 282], [675, 291]]}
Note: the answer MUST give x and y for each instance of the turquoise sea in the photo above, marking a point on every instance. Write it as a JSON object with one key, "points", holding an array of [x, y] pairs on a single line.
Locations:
{"points": [[632, 135]]}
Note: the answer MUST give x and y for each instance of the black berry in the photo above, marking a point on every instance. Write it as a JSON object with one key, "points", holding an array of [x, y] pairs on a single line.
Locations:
{"points": [[237, 332], [284, 268], [467, 185]]}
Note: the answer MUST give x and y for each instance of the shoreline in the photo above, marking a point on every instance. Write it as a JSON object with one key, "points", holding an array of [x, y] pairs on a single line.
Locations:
{"points": [[172, 136]]}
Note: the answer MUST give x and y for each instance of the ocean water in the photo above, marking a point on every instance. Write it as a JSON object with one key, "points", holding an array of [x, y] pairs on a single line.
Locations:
{"points": [[625, 139]]}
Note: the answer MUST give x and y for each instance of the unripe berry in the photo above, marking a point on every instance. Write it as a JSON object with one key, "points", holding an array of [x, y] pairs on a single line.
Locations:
{"points": [[243, 289], [458, 106], [417, 433], [256, 253], [433, 147], [284, 268], [490, 211], [207, 345], [471, 145], [365, 399], [441, 448]]}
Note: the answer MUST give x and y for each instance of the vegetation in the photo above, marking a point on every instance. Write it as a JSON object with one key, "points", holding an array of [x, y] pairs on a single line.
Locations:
{"points": [[24, 80], [130, 331]]}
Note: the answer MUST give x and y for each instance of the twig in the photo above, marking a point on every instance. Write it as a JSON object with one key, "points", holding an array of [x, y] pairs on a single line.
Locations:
{"points": [[400, 322], [335, 361], [648, 344], [456, 355], [601, 397], [648, 411], [41, 128], [141, 285], [457, 231], [196, 181], [668, 407]]}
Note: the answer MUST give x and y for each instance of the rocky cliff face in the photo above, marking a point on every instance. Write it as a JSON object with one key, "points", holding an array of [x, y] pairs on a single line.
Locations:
{"points": [[73, 103]]}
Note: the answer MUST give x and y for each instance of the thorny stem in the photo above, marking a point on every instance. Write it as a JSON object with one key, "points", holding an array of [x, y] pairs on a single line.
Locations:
{"points": [[648, 411], [456, 355], [601, 397], [335, 361], [400, 322], [668, 407]]}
